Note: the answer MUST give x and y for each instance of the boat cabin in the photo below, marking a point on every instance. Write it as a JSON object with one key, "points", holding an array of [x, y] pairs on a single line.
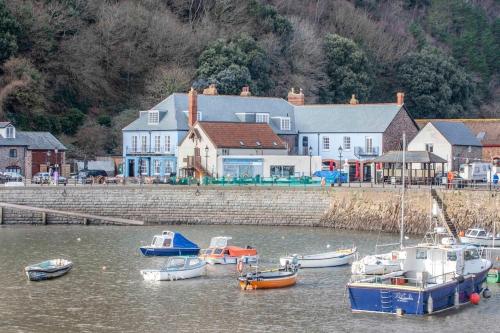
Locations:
{"points": [[180, 263], [165, 240], [476, 232]]}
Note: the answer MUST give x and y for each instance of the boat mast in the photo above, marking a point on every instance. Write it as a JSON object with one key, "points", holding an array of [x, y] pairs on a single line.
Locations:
{"points": [[402, 232]]}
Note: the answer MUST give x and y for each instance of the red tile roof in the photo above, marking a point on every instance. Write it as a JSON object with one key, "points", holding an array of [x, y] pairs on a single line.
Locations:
{"points": [[241, 135], [486, 130]]}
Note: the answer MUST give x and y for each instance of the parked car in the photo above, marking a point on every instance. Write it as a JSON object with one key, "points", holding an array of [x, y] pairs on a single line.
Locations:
{"points": [[86, 176], [41, 178], [13, 177]]}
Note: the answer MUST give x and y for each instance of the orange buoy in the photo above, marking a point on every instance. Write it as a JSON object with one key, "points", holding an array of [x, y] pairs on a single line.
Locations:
{"points": [[474, 298]]}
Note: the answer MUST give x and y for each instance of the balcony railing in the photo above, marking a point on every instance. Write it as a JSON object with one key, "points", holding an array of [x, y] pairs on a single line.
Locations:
{"points": [[362, 151], [154, 150]]}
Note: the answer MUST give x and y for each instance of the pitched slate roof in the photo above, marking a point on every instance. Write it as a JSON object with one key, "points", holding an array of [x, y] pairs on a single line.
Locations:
{"points": [[487, 131], [218, 108], [396, 156], [358, 118], [33, 140], [241, 135], [456, 133], [142, 123], [4, 124]]}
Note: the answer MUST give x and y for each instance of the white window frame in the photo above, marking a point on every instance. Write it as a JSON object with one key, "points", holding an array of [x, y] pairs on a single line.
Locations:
{"points": [[262, 118], [156, 167], [168, 146], [346, 143], [285, 124], [135, 141], [10, 132], [144, 167], [168, 167], [153, 117], [325, 143], [225, 151], [369, 145], [157, 143], [144, 143]]}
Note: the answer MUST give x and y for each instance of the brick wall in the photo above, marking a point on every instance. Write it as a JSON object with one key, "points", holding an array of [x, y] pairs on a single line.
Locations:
{"points": [[461, 154], [6, 160], [393, 134], [491, 152]]}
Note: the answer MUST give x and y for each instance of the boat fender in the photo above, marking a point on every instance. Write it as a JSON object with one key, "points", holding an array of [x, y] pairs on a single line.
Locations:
{"points": [[486, 293], [456, 299], [239, 267], [474, 298], [430, 305], [460, 278]]}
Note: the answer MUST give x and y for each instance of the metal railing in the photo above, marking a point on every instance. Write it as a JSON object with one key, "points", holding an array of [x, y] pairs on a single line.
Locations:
{"points": [[149, 150], [362, 151]]}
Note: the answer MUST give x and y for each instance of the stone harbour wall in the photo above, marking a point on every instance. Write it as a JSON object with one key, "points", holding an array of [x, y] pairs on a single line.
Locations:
{"points": [[346, 208]]}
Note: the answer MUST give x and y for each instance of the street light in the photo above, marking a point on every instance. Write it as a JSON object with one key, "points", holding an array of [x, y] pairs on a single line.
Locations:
{"points": [[206, 160], [310, 161], [340, 164]]}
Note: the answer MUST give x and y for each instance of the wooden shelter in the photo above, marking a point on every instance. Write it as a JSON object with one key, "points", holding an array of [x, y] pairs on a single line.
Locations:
{"points": [[420, 166]]}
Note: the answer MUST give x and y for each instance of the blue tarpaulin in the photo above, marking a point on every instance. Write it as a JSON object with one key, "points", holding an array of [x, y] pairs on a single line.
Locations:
{"points": [[182, 242], [332, 176]]}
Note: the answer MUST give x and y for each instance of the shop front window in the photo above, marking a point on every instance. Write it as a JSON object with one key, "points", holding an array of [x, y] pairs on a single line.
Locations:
{"points": [[282, 171]]}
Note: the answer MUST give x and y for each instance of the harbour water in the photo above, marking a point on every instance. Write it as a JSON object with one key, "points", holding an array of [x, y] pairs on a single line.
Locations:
{"points": [[106, 293]]}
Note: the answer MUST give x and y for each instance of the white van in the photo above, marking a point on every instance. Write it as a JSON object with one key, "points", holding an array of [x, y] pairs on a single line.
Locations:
{"points": [[477, 171]]}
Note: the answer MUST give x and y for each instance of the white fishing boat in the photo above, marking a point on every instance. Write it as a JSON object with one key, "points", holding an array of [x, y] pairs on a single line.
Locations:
{"points": [[328, 259], [177, 268], [378, 264], [480, 237]]}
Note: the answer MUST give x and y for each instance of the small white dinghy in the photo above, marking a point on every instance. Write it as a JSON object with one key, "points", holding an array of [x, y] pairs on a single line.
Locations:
{"points": [[177, 268], [48, 269], [378, 264], [328, 259]]}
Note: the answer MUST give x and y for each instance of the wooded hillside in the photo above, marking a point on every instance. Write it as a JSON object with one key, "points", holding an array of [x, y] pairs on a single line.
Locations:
{"points": [[83, 68]]}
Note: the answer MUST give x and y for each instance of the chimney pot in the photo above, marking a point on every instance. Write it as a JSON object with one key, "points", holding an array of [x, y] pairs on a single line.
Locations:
{"points": [[353, 100], [400, 98], [192, 107], [296, 98], [245, 91], [211, 90]]}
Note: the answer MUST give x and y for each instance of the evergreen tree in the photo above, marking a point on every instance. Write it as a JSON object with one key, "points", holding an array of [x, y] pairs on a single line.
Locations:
{"points": [[435, 85], [9, 32], [347, 69]]}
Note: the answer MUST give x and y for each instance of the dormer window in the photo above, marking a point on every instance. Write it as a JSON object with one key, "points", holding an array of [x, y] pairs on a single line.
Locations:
{"points": [[10, 132], [199, 116], [262, 118], [153, 117], [285, 124]]}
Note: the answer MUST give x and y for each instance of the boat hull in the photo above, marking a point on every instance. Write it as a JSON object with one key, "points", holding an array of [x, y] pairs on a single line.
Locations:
{"points": [[480, 241], [36, 273], [173, 275], [268, 283], [229, 260], [168, 252], [413, 300], [311, 262]]}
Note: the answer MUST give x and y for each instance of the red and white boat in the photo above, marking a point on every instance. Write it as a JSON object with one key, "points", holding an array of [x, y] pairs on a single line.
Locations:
{"points": [[219, 252]]}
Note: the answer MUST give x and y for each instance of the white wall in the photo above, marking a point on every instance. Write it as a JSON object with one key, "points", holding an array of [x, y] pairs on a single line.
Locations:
{"points": [[441, 147], [150, 141], [336, 140]]}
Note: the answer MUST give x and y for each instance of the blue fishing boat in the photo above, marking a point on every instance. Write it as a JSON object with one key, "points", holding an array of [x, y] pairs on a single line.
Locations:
{"points": [[170, 243], [433, 278]]}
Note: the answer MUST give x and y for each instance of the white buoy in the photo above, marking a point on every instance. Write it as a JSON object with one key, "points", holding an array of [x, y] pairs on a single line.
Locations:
{"points": [[104, 268], [78, 239], [327, 246], [282, 237], [406, 237], [430, 305]]}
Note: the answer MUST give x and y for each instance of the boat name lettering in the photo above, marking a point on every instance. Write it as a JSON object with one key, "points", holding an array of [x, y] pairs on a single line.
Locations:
{"points": [[403, 297]]}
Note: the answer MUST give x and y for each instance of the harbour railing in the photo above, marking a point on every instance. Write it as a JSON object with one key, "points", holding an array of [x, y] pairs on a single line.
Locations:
{"points": [[398, 278]]}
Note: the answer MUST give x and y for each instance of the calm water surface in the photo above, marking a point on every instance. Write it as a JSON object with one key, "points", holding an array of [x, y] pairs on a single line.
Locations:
{"points": [[116, 299]]}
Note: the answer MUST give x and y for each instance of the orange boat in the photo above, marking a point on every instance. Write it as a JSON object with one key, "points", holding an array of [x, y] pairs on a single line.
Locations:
{"points": [[277, 278], [219, 252]]}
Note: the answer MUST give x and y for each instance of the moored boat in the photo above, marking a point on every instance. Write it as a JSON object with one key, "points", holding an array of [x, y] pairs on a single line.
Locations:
{"points": [[170, 243], [48, 269], [176, 268], [480, 237], [328, 259], [433, 278], [270, 279], [219, 252]]}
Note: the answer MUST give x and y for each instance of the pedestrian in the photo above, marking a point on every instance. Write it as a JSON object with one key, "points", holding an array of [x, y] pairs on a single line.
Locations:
{"points": [[450, 179]]}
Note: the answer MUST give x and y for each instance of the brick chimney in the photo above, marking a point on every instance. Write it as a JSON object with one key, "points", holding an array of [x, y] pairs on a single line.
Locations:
{"points": [[296, 98], [192, 107], [353, 100], [211, 90], [400, 98], [245, 91]]}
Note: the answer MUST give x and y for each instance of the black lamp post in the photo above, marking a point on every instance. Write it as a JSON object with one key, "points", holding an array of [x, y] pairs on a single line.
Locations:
{"points": [[206, 160], [310, 161], [340, 165]]}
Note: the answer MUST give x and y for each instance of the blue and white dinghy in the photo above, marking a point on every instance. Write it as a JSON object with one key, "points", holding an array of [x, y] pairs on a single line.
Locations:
{"points": [[48, 269], [433, 278], [177, 268], [170, 243]]}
